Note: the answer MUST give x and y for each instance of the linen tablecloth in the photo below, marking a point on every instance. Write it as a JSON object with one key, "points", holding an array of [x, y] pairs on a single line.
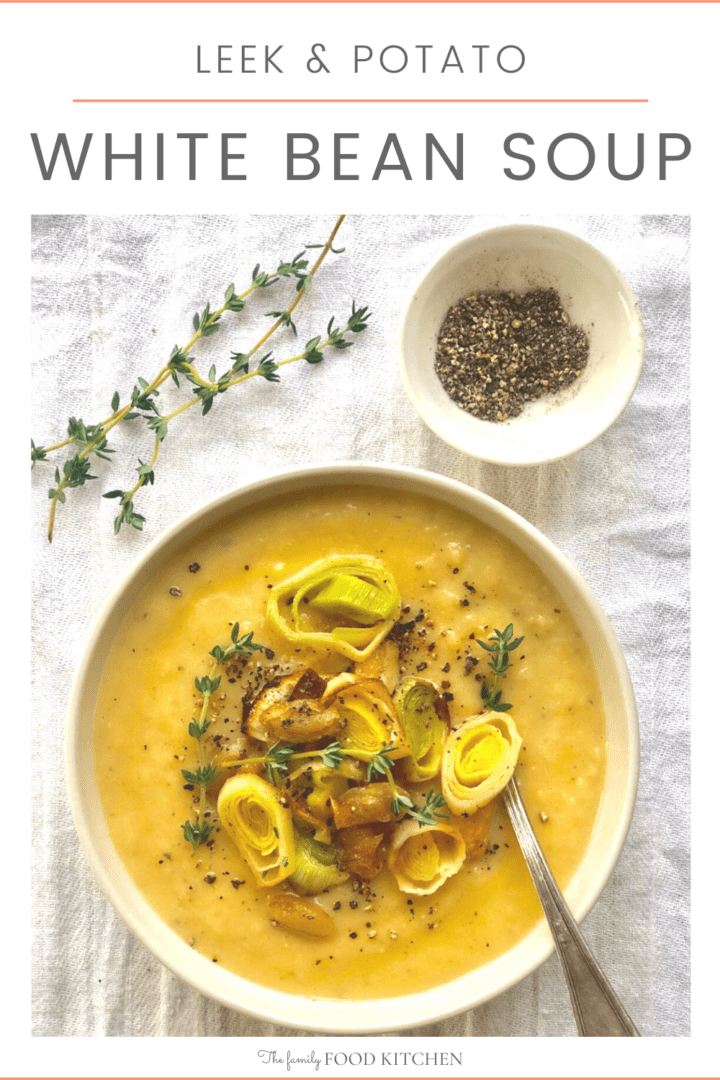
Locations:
{"points": [[110, 297]]}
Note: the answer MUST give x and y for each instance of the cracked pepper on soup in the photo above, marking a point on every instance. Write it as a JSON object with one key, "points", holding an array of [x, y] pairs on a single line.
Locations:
{"points": [[304, 728]]}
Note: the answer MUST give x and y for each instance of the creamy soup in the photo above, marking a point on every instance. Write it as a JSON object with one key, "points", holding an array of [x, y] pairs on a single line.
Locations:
{"points": [[458, 580]]}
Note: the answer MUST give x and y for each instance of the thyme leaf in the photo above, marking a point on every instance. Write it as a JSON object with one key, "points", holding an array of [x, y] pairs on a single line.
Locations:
{"points": [[499, 644], [380, 764], [401, 803], [37, 453], [428, 813], [283, 318], [277, 760], [197, 833], [332, 755], [203, 776]]}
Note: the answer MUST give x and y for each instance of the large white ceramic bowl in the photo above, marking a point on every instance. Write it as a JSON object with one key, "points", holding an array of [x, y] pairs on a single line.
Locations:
{"points": [[595, 296], [312, 1014]]}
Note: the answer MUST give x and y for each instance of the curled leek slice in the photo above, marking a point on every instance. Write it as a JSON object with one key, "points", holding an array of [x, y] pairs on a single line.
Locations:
{"points": [[479, 759], [260, 826], [423, 857], [347, 603], [369, 720], [424, 718], [316, 866]]}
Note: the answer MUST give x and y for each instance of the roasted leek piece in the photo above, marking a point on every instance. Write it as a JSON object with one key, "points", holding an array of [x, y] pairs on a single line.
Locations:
{"points": [[424, 718], [383, 664], [300, 915], [368, 718], [284, 710], [346, 603], [364, 805], [261, 827], [423, 857], [316, 866], [478, 761], [475, 829], [363, 850]]}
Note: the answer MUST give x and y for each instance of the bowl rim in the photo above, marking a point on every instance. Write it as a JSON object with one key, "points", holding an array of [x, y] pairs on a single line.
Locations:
{"points": [[427, 416], [287, 1010]]}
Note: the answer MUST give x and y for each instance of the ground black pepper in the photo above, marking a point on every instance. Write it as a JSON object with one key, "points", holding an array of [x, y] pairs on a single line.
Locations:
{"points": [[497, 350]]}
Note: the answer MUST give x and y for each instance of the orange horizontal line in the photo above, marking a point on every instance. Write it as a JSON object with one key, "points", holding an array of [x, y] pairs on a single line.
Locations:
{"points": [[358, 101], [678, 3]]}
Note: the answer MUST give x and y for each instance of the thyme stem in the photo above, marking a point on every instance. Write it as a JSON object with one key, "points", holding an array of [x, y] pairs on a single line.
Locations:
{"points": [[196, 400], [201, 757], [318, 263], [104, 428], [500, 644], [161, 377], [198, 833]]}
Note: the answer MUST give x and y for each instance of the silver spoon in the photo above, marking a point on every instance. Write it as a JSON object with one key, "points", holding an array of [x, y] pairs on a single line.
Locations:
{"points": [[595, 1005]]}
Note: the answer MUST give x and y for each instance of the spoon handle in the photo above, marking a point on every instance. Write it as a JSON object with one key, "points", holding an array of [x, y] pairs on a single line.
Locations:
{"points": [[595, 1005]]}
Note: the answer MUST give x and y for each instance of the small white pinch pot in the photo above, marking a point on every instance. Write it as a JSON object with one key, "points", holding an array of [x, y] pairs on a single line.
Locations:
{"points": [[595, 296]]}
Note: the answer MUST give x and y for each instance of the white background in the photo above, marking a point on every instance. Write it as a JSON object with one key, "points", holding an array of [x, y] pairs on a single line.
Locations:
{"points": [[663, 52]]}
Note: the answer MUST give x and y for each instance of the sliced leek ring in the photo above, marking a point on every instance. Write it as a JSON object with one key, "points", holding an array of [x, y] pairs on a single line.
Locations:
{"points": [[423, 857], [259, 825], [355, 589], [316, 866], [424, 718], [478, 761], [369, 720]]}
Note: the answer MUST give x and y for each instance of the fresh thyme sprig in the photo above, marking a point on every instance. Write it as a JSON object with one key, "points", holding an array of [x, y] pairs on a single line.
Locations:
{"points": [[427, 814], [198, 832], [500, 644], [206, 391], [92, 440], [378, 764], [277, 761]]}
